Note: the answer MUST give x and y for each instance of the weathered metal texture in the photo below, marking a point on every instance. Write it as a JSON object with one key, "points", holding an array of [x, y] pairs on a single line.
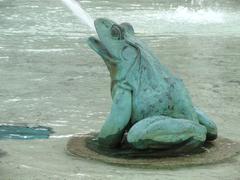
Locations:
{"points": [[150, 104]]}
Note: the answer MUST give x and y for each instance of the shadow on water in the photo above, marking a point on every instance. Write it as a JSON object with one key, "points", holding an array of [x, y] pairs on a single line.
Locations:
{"points": [[2, 153]]}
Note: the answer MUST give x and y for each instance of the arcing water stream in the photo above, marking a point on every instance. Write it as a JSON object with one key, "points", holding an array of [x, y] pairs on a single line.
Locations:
{"points": [[76, 8]]}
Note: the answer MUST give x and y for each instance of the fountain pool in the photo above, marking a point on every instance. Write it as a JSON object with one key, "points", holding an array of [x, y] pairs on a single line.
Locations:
{"points": [[50, 77]]}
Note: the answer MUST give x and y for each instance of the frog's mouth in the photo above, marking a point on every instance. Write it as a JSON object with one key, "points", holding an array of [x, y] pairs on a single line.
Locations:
{"points": [[98, 47]]}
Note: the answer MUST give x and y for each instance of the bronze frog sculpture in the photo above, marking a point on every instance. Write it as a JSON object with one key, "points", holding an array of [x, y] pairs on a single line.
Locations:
{"points": [[151, 106]]}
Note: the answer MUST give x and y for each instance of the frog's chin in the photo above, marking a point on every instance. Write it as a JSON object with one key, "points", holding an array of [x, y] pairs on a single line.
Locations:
{"points": [[98, 47]]}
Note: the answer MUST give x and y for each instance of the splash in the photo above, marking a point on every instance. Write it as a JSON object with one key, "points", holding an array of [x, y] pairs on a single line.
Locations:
{"points": [[182, 15], [78, 11], [201, 16], [197, 2]]}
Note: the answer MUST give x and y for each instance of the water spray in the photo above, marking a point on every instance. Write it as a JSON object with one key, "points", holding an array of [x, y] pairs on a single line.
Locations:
{"points": [[78, 11]]}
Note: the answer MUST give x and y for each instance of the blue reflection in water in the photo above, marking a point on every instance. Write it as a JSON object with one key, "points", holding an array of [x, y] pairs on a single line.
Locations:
{"points": [[24, 132]]}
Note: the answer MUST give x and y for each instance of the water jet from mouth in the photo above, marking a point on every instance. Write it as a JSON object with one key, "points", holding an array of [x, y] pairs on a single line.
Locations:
{"points": [[78, 11]]}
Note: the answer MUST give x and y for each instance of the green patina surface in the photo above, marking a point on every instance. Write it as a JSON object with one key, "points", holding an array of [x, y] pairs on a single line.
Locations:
{"points": [[151, 107]]}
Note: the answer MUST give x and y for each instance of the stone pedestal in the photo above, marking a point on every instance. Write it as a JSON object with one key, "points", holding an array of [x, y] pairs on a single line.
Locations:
{"points": [[86, 146]]}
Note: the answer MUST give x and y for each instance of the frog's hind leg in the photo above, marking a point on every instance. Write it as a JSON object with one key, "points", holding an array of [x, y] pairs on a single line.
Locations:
{"points": [[208, 123], [162, 132]]}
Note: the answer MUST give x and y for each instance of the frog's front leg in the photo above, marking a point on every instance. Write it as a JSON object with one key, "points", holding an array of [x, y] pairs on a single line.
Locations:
{"points": [[163, 132], [114, 127], [208, 123]]}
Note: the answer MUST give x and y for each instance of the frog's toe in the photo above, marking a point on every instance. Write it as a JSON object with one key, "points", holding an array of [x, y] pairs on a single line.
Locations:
{"points": [[208, 123]]}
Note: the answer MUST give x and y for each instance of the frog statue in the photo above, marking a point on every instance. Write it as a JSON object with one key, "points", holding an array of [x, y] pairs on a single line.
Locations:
{"points": [[151, 107]]}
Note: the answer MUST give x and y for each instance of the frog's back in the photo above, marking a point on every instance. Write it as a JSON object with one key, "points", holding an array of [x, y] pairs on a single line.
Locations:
{"points": [[159, 92]]}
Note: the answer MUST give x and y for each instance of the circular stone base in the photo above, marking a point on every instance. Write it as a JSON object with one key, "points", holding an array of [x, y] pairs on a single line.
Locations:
{"points": [[86, 146]]}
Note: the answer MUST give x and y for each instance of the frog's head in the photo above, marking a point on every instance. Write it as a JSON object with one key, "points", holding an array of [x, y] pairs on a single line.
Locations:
{"points": [[113, 44]]}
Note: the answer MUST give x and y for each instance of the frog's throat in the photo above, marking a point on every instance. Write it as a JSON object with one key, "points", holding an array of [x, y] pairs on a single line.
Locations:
{"points": [[101, 50]]}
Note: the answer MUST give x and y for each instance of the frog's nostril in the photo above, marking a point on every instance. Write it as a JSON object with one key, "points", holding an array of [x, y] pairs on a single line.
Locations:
{"points": [[105, 24]]}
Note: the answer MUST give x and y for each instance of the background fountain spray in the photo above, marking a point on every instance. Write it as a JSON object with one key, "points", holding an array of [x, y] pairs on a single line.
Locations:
{"points": [[78, 11]]}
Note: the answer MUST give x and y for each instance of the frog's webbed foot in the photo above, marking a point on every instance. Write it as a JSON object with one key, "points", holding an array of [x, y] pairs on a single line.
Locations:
{"points": [[162, 132], [208, 123]]}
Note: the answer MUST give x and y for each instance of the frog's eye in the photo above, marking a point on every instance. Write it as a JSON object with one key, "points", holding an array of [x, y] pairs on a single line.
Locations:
{"points": [[117, 32]]}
